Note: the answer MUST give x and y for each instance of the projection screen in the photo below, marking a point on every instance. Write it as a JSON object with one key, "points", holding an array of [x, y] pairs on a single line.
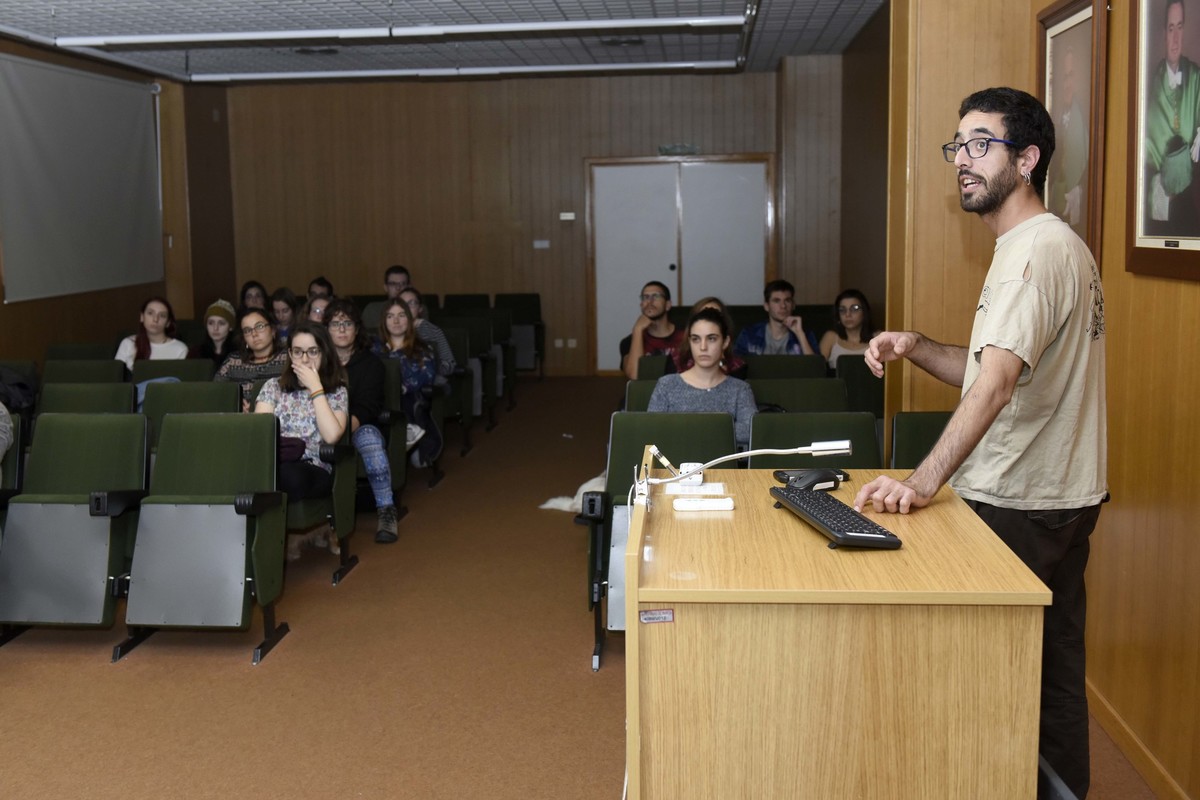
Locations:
{"points": [[80, 205]]}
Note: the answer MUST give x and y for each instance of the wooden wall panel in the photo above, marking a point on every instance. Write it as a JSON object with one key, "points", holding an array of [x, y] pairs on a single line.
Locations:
{"points": [[456, 180], [210, 199], [1143, 596], [863, 200], [947, 251], [810, 196], [26, 328]]}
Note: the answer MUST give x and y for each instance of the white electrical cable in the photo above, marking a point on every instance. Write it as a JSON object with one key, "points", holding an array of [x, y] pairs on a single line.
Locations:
{"points": [[840, 447]]}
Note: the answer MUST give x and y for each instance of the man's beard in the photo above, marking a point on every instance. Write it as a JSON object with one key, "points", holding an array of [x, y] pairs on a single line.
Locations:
{"points": [[992, 193]]}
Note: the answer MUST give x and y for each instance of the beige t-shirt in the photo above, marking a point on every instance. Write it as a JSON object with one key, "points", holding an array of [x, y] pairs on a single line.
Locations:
{"points": [[1042, 301]]}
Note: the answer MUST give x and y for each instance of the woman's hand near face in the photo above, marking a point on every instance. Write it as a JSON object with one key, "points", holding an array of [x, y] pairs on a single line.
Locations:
{"points": [[308, 377]]}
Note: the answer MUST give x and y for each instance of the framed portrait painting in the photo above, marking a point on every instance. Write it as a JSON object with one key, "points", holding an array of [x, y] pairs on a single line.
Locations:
{"points": [[1071, 69], [1164, 139]]}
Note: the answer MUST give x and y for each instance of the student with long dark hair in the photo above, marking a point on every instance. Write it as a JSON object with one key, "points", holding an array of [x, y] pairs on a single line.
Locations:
{"points": [[419, 369], [365, 377], [155, 338], [261, 356], [311, 402], [705, 386]]}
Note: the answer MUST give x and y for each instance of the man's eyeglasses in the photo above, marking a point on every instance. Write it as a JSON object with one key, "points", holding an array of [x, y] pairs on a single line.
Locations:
{"points": [[299, 353], [976, 148], [652, 296], [341, 325], [854, 309], [259, 328]]}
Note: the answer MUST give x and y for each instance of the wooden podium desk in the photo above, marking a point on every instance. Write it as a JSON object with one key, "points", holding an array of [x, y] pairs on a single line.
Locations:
{"points": [[762, 664]]}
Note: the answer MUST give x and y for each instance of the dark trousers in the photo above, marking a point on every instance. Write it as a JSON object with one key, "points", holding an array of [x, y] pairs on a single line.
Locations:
{"points": [[302, 480], [1055, 546]]}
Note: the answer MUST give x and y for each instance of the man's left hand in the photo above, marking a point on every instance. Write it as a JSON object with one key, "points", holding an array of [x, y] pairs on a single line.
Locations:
{"points": [[890, 495]]}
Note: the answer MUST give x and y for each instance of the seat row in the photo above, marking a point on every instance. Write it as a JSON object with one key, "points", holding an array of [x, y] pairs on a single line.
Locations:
{"points": [[864, 390], [703, 437], [194, 540]]}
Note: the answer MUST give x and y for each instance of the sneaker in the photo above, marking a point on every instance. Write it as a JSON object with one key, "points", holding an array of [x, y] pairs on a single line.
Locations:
{"points": [[414, 434], [387, 526]]}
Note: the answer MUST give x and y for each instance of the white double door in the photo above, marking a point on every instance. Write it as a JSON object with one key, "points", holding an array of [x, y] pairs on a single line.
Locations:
{"points": [[701, 226]]}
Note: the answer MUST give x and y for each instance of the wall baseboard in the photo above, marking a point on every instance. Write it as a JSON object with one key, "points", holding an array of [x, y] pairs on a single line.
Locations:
{"points": [[1149, 767]]}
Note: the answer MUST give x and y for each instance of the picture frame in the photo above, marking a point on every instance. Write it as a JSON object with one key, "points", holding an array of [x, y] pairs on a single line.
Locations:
{"points": [[1071, 69], [1163, 226]]}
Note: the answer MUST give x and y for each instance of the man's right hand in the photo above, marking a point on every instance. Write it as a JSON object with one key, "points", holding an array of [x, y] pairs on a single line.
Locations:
{"points": [[890, 346], [643, 322]]}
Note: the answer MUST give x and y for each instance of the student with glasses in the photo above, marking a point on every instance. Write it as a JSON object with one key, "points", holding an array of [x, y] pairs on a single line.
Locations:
{"points": [[260, 357], [852, 327], [365, 379], [653, 333], [311, 402]]}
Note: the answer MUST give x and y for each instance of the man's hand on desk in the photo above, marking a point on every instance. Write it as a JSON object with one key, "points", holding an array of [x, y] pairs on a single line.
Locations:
{"points": [[890, 495]]}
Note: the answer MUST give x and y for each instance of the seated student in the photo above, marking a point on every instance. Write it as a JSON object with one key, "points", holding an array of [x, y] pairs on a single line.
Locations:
{"points": [[311, 402], [254, 295], [218, 323], [155, 337], [653, 333], [705, 387], [852, 327], [262, 356], [782, 333], [364, 379], [418, 368], [732, 365], [320, 287], [283, 306], [314, 309], [6, 432], [396, 279], [430, 334]]}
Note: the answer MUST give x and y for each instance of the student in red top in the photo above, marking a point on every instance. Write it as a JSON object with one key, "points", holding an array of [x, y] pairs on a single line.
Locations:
{"points": [[653, 333]]}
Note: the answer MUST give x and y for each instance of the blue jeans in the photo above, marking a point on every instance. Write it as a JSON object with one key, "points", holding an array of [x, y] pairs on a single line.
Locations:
{"points": [[368, 441]]}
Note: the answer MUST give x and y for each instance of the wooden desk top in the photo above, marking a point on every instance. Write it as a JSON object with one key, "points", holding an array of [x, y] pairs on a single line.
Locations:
{"points": [[761, 554]]}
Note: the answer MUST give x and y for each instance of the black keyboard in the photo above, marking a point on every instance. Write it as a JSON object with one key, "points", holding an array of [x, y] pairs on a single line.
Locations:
{"points": [[844, 526]]}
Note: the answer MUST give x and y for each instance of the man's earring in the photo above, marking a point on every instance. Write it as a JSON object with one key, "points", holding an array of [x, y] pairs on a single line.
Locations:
{"points": [[1025, 175]]}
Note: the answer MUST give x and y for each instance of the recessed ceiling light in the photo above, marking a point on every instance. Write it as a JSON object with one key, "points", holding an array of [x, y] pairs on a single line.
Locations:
{"points": [[622, 41]]}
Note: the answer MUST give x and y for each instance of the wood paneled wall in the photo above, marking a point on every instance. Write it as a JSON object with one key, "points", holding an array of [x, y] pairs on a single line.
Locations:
{"points": [[936, 268], [26, 328], [211, 199], [810, 176], [1143, 596], [456, 180], [864, 163]]}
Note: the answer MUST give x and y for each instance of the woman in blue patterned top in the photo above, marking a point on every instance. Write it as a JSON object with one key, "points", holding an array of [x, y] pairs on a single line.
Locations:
{"points": [[418, 369]]}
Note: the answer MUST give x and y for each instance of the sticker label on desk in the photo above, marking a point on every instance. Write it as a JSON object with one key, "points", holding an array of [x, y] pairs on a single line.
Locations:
{"points": [[657, 615]]}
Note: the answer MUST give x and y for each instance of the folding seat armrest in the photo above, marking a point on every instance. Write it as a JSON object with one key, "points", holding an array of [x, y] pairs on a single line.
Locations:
{"points": [[255, 504], [114, 503], [332, 453], [595, 509]]}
